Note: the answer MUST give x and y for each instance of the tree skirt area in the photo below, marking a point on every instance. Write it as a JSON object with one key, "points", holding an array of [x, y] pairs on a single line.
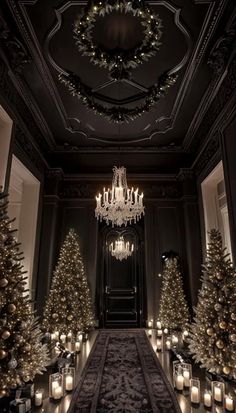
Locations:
{"points": [[123, 375]]}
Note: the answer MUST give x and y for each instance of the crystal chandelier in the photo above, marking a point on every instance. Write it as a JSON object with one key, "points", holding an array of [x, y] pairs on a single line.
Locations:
{"points": [[120, 204], [120, 249]]}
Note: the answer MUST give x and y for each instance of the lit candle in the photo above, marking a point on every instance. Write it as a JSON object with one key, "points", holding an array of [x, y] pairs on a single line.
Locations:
{"points": [[166, 330], [77, 346], [159, 333], [158, 325], [195, 394], [56, 334], [186, 375], [69, 383], [175, 340], [57, 393], [217, 394], [69, 335], [149, 324], [229, 403], [179, 382], [150, 333], [158, 345], [207, 399], [63, 338], [80, 337], [168, 344], [38, 398]]}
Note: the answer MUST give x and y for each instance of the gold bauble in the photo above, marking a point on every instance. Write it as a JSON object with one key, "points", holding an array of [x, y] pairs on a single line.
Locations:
{"points": [[219, 276], [3, 393], [232, 338], [11, 308], [217, 307], [3, 282], [223, 325], [26, 378], [55, 316], [226, 370], [233, 316], [3, 354], [5, 334], [210, 331], [220, 344], [70, 317]]}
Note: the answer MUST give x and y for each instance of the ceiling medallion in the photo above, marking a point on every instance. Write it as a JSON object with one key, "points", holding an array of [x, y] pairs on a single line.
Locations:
{"points": [[120, 249], [118, 59], [120, 204]]}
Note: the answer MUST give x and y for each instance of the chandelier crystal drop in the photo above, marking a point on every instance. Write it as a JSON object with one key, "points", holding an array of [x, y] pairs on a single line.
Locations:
{"points": [[120, 249], [119, 205]]}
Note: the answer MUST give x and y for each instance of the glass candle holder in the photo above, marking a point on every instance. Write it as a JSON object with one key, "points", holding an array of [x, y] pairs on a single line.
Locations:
{"points": [[218, 390], [69, 378], [77, 346], [150, 323], [159, 333], [38, 397], [229, 403], [158, 325], [69, 336], [56, 386], [168, 343], [195, 390], [178, 379], [207, 398], [80, 337], [187, 373], [149, 333]]}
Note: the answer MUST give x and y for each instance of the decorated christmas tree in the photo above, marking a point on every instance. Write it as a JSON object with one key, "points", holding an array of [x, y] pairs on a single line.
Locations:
{"points": [[22, 354], [68, 307], [173, 309], [213, 332]]}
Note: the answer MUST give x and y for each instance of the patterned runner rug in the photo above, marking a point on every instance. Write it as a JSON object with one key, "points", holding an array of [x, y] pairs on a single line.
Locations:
{"points": [[122, 375]]}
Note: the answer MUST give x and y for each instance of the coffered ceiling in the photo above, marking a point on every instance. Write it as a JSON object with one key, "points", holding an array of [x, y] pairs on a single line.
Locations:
{"points": [[75, 137]]}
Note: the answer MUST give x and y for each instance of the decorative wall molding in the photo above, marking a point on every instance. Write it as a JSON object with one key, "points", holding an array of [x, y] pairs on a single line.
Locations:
{"points": [[209, 152], [185, 174]]}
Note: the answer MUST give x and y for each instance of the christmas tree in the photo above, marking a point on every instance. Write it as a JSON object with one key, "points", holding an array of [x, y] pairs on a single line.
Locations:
{"points": [[213, 333], [22, 354], [173, 310], [68, 307]]}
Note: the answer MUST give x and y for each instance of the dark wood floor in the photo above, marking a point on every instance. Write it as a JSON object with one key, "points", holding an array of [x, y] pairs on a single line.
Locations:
{"points": [[164, 357]]}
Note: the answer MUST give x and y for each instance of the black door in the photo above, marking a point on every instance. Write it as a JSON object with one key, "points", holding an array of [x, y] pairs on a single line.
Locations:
{"points": [[122, 289]]}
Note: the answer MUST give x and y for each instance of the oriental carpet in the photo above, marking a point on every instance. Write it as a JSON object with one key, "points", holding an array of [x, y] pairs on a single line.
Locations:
{"points": [[123, 375]]}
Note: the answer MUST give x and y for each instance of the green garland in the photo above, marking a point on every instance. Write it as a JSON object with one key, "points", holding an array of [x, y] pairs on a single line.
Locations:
{"points": [[118, 58], [117, 114]]}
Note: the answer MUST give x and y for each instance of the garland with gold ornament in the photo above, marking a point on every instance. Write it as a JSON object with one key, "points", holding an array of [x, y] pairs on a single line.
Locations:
{"points": [[118, 58], [118, 114]]}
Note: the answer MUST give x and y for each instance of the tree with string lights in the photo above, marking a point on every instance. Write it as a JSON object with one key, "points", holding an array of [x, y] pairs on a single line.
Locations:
{"points": [[68, 307], [173, 310], [22, 354], [213, 332]]}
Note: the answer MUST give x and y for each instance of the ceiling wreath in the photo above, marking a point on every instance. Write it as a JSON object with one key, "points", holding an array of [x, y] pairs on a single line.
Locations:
{"points": [[118, 58]]}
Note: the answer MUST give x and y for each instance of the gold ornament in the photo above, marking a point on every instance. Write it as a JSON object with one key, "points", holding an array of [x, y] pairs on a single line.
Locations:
{"points": [[55, 316], [223, 325], [226, 370], [26, 378], [5, 334], [220, 344], [233, 337], [217, 307], [219, 276], [3, 282], [3, 393], [233, 316], [210, 331], [70, 317], [3, 354], [11, 308]]}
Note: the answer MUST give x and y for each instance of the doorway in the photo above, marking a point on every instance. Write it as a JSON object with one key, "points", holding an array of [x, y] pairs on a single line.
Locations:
{"points": [[122, 289]]}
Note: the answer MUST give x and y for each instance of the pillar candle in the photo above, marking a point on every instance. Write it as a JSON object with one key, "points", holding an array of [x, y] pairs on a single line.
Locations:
{"points": [[57, 393], [159, 345], [69, 383], [229, 403], [168, 344], [179, 382], [195, 396], [159, 333], [158, 325], [218, 394], [207, 399], [150, 333], [77, 346], [149, 324], [186, 375], [38, 398]]}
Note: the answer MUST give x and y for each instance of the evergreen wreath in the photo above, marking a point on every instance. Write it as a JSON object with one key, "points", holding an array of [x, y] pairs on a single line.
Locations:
{"points": [[118, 58], [117, 114]]}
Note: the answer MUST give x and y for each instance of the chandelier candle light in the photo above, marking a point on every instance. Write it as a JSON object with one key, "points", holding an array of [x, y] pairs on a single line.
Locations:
{"points": [[120, 204], [121, 250]]}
